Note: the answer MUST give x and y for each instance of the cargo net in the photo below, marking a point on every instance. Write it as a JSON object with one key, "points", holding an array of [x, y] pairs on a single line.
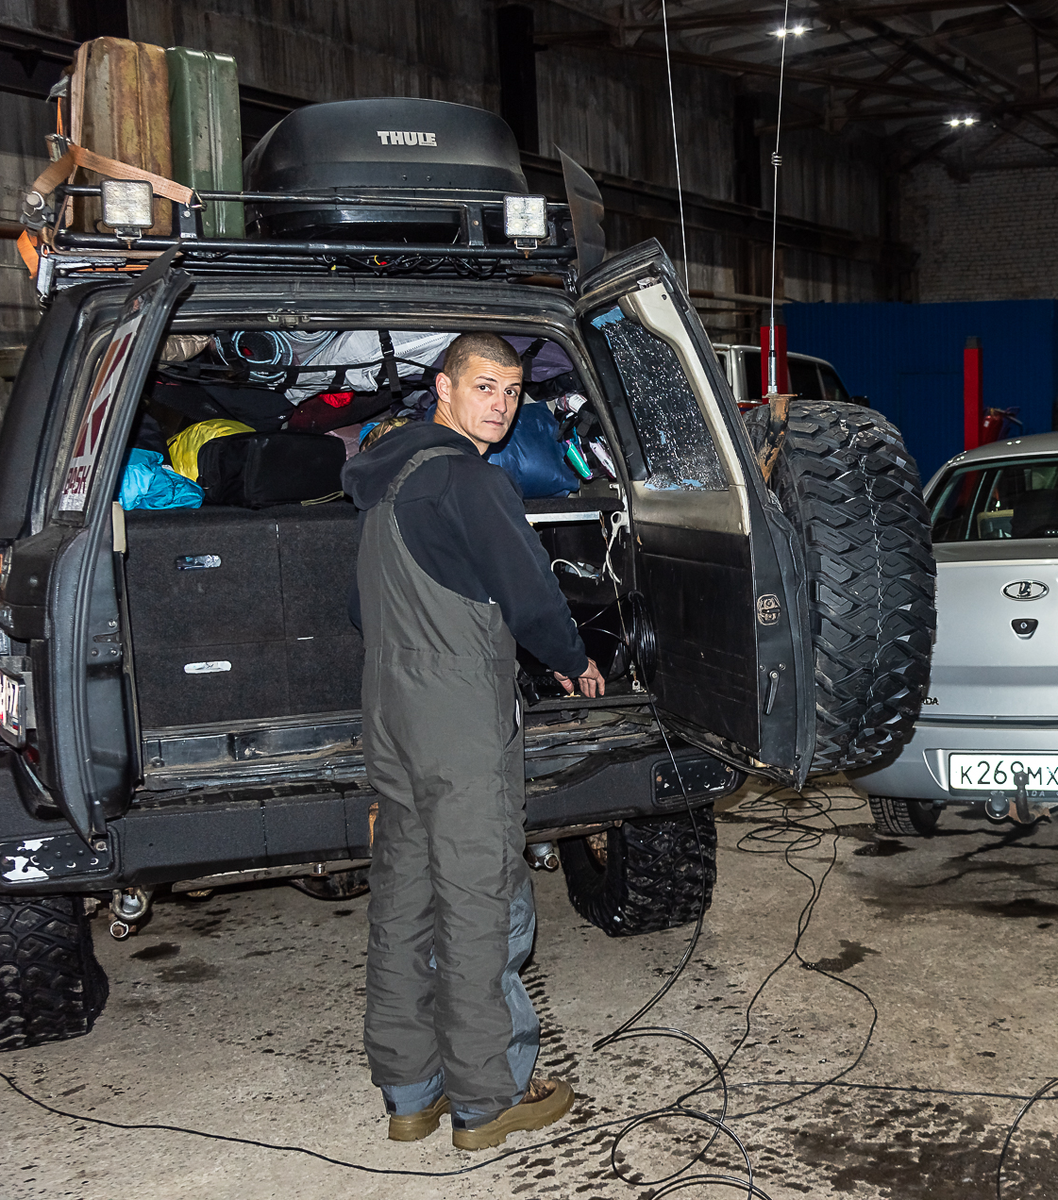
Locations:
{"points": [[353, 385]]}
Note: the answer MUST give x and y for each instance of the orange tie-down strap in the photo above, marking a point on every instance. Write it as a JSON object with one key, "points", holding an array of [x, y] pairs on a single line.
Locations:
{"points": [[27, 247], [77, 156]]}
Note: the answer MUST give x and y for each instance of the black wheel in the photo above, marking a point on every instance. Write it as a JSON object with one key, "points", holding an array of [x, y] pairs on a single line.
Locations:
{"points": [[648, 875], [51, 986], [851, 490], [903, 818], [341, 885]]}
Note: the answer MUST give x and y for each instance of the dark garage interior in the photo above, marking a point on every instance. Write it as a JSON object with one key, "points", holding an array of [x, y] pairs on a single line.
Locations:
{"points": [[857, 1014]]}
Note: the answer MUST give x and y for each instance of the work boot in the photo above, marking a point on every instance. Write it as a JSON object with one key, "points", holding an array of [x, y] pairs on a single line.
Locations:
{"points": [[545, 1101], [420, 1124]]}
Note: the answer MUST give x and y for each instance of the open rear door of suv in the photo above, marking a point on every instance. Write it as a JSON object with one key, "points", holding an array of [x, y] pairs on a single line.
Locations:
{"points": [[85, 700], [719, 565]]}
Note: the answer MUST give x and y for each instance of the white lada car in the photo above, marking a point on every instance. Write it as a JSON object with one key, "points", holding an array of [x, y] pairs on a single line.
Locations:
{"points": [[988, 730]]}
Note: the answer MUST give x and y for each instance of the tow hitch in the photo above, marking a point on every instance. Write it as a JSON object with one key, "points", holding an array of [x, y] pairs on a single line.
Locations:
{"points": [[1017, 807], [128, 907]]}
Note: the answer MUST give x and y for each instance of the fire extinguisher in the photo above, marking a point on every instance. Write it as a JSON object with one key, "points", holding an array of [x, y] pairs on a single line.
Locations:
{"points": [[999, 423]]}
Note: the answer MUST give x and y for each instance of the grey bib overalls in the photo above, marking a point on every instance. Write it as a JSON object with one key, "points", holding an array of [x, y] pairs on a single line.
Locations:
{"points": [[451, 906]]}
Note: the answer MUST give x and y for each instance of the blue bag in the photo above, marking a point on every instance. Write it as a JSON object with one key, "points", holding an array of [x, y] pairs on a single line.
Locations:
{"points": [[147, 482], [532, 457]]}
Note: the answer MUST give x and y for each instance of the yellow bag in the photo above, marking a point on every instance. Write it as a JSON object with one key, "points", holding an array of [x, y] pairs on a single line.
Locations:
{"points": [[184, 447]]}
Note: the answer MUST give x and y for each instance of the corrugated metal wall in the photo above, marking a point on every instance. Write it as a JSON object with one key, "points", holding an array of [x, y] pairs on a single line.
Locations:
{"points": [[606, 108], [907, 359]]}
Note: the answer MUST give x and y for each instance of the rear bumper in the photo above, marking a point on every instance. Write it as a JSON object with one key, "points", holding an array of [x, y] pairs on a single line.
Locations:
{"points": [[920, 770], [203, 834]]}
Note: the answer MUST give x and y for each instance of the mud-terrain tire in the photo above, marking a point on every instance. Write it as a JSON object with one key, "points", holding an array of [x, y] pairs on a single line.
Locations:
{"points": [[903, 818], [651, 877], [847, 483], [51, 986]]}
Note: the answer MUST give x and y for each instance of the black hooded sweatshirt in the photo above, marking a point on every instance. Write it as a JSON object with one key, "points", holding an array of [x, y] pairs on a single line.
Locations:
{"points": [[463, 522]]}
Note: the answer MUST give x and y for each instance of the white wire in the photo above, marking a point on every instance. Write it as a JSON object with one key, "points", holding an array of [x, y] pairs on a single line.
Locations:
{"points": [[676, 144], [618, 522], [776, 162]]}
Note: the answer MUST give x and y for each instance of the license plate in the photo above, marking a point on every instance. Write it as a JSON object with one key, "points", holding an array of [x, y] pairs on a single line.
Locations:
{"points": [[12, 718], [995, 772]]}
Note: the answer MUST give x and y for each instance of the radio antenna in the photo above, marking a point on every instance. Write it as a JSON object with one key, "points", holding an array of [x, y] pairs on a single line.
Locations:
{"points": [[676, 145], [776, 162]]}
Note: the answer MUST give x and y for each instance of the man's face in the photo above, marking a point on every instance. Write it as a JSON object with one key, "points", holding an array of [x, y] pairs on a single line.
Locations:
{"points": [[481, 403]]}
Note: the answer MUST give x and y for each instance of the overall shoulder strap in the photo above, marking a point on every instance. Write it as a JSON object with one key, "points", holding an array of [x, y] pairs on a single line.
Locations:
{"points": [[413, 464]]}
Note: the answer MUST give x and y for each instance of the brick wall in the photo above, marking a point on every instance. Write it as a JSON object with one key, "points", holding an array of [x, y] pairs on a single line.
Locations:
{"points": [[992, 237]]}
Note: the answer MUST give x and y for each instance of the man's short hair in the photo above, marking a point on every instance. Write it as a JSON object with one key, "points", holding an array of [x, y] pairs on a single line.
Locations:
{"points": [[488, 346]]}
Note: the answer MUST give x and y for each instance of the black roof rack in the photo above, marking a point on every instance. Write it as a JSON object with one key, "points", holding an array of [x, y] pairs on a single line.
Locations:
{"points": [[475, 251]]}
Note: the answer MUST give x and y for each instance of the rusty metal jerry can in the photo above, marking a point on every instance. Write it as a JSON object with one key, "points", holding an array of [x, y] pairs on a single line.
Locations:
{"points": [[119, 107], [206, 132]]}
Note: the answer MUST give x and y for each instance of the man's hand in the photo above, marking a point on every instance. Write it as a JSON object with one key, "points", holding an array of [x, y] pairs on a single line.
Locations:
{"points": [[591, 683]]}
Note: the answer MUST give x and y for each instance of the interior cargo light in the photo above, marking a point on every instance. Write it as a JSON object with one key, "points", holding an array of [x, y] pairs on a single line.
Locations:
{"points": [[128, 206], [525, 220]]}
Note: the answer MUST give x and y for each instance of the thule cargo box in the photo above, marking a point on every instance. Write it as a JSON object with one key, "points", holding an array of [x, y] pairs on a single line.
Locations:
{"points": [[425, 150]]}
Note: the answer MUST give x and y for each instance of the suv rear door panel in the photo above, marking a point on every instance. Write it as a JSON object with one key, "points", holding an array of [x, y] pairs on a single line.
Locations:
{"points": [[92, 748], [718, 561]]}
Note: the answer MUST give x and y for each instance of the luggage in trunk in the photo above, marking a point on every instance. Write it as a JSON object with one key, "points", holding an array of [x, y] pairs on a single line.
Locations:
{"points": [[120, 108], [206, 136], [257, 470]]}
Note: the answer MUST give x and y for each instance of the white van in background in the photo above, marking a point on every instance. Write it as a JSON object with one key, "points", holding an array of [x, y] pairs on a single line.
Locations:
{"points": [[810, 378]]}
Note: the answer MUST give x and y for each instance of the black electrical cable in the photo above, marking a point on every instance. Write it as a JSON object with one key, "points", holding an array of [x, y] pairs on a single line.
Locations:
{"points": [[788, 837], [1037, 1095], [630, 1029]]}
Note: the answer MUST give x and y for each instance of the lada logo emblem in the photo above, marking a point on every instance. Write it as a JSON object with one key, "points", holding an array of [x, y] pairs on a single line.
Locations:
{"points": [[1026, 589]]}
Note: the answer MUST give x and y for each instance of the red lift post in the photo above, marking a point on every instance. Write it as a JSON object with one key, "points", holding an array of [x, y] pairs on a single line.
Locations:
{"points": [[972, 392]]}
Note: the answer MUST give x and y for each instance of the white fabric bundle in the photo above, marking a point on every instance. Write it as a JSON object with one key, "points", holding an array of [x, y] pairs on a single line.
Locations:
{"points": [[359, 346]]}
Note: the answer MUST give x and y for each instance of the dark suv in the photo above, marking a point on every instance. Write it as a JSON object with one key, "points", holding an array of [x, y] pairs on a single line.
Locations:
{"points": [[181, 687]]}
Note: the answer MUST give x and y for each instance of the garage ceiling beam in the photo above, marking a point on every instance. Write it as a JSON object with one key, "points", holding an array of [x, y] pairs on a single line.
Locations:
{"points": [[988, 104], [735, 18]]}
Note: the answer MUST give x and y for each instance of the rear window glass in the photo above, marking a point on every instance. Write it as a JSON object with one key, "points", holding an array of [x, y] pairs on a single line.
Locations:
{"points": [[804, 379], [672, 432], [754, 383], [833, 388], [1016, 499]]}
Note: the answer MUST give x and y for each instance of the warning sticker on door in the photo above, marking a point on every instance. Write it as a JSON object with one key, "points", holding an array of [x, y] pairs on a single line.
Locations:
{"points": [[768, 609], [93, 423]]}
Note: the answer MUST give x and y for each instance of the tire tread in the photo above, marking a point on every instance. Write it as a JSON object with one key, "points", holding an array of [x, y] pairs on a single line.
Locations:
{"points": [[654, 876], [51, 984], [848, 484]]}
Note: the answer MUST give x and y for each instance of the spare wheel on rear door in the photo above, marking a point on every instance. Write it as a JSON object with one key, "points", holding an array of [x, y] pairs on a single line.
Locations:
{"points": [[847, 483]]}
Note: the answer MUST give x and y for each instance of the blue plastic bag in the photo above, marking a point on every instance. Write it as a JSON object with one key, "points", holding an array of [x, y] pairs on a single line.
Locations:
{"points": [[532, 457], [147, 482]]}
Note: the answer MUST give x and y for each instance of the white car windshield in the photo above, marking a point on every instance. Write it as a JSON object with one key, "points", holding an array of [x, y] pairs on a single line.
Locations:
{"points": [[1016, 499]]}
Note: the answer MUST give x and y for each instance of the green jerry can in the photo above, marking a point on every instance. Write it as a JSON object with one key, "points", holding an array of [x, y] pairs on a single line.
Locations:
{"points": [[206, 133]]}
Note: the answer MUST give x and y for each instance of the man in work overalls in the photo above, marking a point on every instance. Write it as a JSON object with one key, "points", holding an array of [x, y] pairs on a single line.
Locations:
{"points": [[450, 576]]}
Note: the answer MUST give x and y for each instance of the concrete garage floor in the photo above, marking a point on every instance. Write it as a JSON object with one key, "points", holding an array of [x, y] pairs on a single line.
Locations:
{"points": [[241, 1015]]}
